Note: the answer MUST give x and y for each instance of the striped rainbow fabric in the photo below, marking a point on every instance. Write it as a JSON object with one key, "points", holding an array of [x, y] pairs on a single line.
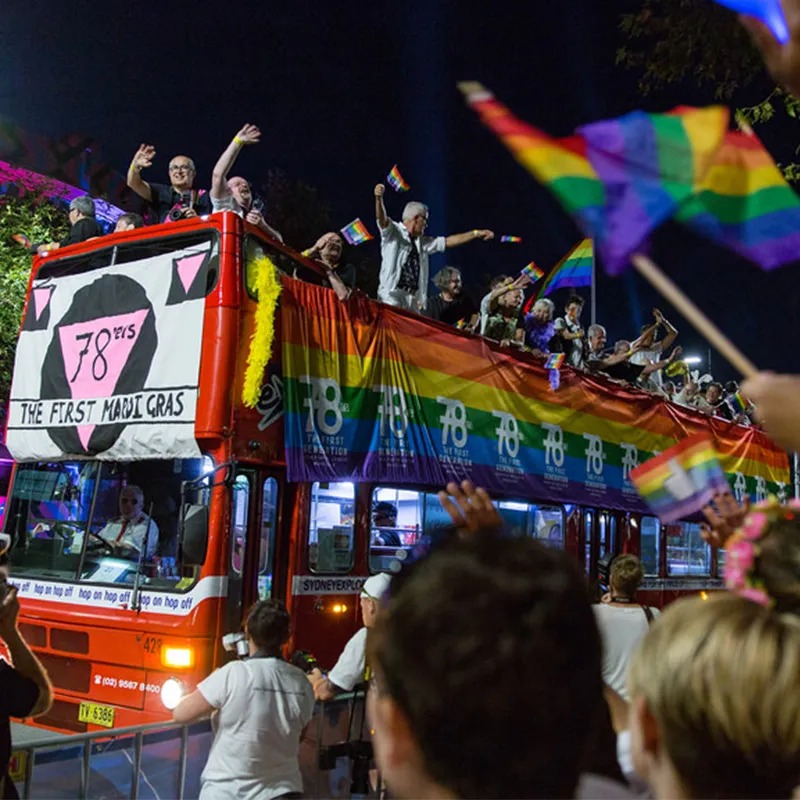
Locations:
{"points": [[621, 178], [373, 393], [680, 481], [574, 270]]}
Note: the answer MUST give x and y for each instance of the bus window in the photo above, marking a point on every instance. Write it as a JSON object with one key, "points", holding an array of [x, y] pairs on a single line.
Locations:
{"points": [[398, 518], [687, 552], [545, 523], [612, 532], [266, 547], [650, 544], [88, 520], [588, 519], [602, 519], [330, 530], [241, 504]]}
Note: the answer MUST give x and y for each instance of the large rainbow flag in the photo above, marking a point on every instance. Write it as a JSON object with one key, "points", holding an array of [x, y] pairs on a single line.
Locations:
{"points": [[376, 394], [621, 178], [574, 270]]}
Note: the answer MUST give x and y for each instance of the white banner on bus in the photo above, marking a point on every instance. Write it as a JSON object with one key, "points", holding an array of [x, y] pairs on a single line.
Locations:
{"points": [[108, 361]]}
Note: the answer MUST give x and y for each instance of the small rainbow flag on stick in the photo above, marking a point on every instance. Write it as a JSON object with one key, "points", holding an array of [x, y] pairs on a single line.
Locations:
{"points": [[737, 403], [511, 239], [396, 180], [554, 361], [532, 271], [21, 238], [356, 232], [681, 480]]}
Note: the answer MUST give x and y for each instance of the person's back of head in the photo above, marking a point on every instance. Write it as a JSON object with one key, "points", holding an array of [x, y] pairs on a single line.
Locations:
{"points": [[487, 667], [268, 625], [626, 575], [715, 699]]}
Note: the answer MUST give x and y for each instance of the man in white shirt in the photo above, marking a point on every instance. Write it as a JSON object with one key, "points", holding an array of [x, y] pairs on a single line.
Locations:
{"points": [[653, 351], [236, 194], [622, 621], [350, 668], [405, 250], [264, 703], [128, 531]]}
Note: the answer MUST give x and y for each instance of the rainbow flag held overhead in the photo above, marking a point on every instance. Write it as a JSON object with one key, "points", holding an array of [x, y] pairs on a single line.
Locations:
{"points": [[532, 271], [681, 480], [396, 180], [356, 232], [511, 239], [621, 178], [554, 361], [574, 270]]}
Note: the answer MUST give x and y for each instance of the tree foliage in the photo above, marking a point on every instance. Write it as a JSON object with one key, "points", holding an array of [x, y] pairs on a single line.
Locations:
{"points": [[41, 221]]}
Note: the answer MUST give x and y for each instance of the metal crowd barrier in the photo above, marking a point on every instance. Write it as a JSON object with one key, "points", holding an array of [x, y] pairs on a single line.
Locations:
{"points": [[153, 761]]}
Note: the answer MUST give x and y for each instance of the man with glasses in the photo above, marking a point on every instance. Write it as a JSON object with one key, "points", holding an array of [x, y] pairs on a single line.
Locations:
{"points": [[132, 530], [83, 226], [179, 200], [405, 250]]}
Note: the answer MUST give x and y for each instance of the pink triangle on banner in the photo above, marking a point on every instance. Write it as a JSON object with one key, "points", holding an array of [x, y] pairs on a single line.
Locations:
{"points": [[41, 299], [85, 433], [188, 268], [95, 352]]}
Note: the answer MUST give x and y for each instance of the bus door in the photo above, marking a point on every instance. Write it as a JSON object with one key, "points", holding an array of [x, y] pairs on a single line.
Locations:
{"points": [[590, 542], [607, 535], [243, 510]]}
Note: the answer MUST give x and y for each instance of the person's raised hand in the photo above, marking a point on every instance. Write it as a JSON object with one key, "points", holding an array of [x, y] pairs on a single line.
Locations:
{"points": [[188, 213], [782, 61], [658, 316], [379, 190], [249, 134], [675, 354], [775, 398], [724, 516], [144, 156], [484, 234], [9, 612], [521, 282], [473, 510]]}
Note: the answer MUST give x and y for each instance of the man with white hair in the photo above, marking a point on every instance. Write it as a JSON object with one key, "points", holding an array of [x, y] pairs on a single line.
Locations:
{"points": [[405, 251], [179, 200], [350, 668], [236, 194], [132, 530], [83, 225]]}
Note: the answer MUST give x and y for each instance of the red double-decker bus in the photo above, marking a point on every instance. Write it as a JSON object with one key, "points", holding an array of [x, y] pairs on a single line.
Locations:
{"points": [[129, 382]]}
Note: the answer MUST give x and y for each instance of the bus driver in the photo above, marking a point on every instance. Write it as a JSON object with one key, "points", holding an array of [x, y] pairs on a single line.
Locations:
{"points": [[128, 531]]}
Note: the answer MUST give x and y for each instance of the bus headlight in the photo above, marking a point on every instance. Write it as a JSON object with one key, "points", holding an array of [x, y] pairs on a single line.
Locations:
{"points": [[172, 693]]}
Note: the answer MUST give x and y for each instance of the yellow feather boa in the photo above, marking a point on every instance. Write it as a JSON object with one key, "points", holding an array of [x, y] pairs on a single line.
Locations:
{"points": [[268, 285]]}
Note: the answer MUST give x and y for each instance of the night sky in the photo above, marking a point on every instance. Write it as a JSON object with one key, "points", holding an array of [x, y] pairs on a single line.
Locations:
{"points": [[342, 91]]}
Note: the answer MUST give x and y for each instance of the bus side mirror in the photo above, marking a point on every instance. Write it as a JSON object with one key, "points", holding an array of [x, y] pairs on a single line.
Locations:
{"points": [[193, 534]]}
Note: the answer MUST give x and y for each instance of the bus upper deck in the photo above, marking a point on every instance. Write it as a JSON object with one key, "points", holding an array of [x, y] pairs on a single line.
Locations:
{"points": [[130, 372]]}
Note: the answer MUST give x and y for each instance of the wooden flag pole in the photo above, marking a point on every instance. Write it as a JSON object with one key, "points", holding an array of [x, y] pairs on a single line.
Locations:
{"points": [[652, 272]]}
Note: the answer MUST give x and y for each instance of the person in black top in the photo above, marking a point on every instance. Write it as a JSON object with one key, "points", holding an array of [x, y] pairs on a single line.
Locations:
{"points": [[384, 517], [179, 200], [451, 305], [83, 222], [327, 252], [25, 689]]}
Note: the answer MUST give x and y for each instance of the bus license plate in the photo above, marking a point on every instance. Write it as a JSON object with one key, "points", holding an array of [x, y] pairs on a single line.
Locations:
{"points": [[97, 715]]}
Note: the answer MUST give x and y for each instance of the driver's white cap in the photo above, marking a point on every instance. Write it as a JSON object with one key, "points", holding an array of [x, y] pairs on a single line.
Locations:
{"points": [[376, 586]]}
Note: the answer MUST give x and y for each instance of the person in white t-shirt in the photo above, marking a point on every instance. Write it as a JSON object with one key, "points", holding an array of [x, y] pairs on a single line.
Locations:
{"points": [[653, 351], [236, 194], [403, 280], [350, 668], [622, 621], [264, 703]]}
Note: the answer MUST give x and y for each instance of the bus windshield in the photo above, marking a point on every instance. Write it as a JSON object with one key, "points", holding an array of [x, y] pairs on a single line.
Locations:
{"points": [[100, 522]]}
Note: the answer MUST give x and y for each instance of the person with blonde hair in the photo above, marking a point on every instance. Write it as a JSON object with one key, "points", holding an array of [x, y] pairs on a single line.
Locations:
{"points": [[715, 701], [622, 621]]}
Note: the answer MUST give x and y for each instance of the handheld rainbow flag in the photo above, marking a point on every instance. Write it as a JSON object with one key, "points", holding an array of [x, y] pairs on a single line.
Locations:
{"points": [[396, 180], [356, 232], [461, 324], [21, 238], [532, 271], [554, 361], [737, 403], [768, 11], [621, 178], [574, 270], [511, 239], [681, 480]]}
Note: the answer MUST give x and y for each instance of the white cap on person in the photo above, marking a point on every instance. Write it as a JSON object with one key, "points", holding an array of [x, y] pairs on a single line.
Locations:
{"points": [[376, 586]]}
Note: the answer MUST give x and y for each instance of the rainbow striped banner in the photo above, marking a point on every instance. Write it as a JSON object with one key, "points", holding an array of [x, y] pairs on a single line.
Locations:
{"points": [[377, 394]]}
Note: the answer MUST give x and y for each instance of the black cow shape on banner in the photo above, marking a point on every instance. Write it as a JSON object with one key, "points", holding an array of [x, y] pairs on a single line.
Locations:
{"points": [[103, 346]]}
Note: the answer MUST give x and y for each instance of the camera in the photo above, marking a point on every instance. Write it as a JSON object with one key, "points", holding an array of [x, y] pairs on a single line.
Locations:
{"points": [[177, 211], [305, 661], [236, 643]]}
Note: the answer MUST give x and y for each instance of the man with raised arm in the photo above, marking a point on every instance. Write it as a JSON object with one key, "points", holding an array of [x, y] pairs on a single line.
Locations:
{"points": [[179, 200], [236, 194], [405, 250]]}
